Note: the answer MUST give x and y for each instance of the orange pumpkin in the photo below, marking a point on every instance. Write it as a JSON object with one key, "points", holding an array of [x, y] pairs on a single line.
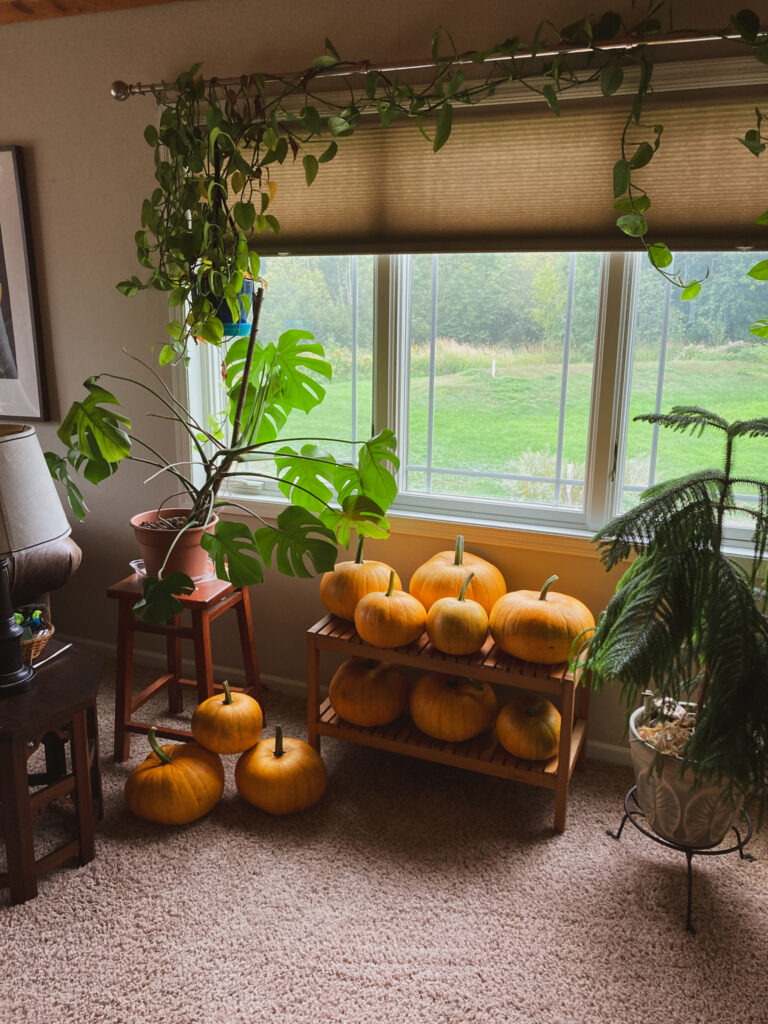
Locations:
{"points": [[342, 588], [227, 723], [175, 784], [539, 626], [443, 574], [392, 619], [281, 776], [451, 709], [366, 692], [529, 727], [456, 625]]}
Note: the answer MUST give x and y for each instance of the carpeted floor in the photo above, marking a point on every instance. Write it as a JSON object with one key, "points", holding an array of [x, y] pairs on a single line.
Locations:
{"points": [[413, 894]]}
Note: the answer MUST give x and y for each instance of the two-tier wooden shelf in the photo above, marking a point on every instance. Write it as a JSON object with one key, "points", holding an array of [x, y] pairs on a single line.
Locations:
{"points": [[482, 754]]}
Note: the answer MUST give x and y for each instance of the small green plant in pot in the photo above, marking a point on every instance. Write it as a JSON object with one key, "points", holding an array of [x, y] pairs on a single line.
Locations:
{"points": [[688, 622]]}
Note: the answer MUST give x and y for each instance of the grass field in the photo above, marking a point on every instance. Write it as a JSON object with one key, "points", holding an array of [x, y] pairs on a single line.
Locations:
{"points": [[508, 423]]}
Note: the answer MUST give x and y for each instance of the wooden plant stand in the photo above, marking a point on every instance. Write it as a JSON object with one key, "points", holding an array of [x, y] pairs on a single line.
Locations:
{"points": [[482, 754]]}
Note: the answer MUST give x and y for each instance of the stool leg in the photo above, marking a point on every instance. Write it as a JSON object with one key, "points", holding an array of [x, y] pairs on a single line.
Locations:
{"points": [[173, 662], [123, 680], [201, 630], [93, 737], [248, 646], [17, 824], [83, 796]]}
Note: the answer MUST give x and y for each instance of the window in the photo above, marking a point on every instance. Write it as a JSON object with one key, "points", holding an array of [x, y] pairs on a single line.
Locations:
{"points": [[511, 379]]}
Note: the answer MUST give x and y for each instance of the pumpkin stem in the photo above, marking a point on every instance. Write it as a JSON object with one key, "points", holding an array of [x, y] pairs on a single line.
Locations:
{"points": [[359, 552], [458, 552], [536, 708], [457, 680], [464, 585], [152, 737], [391, 586], [227, 693], [547, 585], [279, 750]]}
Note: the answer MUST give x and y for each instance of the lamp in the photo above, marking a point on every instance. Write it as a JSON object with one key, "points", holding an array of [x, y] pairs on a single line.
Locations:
{"points": [[30, 515]]}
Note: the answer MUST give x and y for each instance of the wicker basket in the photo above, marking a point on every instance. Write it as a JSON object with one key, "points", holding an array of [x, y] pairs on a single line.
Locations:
{"points": [[30, 649]]}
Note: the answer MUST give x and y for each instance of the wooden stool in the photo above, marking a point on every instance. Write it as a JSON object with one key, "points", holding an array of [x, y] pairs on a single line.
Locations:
{"points": [[209, 600], [59, 710]]}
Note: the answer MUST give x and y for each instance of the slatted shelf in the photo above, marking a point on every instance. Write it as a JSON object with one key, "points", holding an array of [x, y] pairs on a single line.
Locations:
{"points": [[482, 754]]}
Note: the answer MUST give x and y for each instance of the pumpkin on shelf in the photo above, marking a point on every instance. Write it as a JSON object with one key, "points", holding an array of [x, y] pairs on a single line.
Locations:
{"points": [[176, 784], [391, 619], [443, 574], [348, 582], [539, 626], [456, 625], [281, 776], [450, 708], [529, 727], [368, 693], [227, 723]]}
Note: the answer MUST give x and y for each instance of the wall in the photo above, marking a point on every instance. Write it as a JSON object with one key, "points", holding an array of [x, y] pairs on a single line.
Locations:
{"points": [[88, 169]]}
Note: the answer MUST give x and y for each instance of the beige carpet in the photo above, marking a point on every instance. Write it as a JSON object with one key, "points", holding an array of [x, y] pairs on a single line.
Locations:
{"points": [[413, 894]]}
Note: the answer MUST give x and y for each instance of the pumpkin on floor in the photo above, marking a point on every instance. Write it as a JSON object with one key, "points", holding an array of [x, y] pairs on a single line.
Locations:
{"points": [[348, 582], [452, 709], [539, 626], [176, 784], [227, 723], [456, 625], [281, 776], [529, 727], [443, 574], [392, 619], [366, 692]]}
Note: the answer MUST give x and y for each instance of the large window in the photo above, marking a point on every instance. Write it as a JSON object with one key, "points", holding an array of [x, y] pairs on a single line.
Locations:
{"points": [[511, 379]]}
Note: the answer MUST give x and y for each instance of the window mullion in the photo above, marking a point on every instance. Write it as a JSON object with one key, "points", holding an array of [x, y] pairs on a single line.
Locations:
{"points": [[564, 376], [392, 319]]}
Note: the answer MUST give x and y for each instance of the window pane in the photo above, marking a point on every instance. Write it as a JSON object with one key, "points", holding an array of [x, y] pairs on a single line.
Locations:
{"points": [[698, 352], [501, 353]]}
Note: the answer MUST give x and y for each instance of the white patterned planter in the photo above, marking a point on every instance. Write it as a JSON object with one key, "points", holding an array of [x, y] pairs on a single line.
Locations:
{"points": [[697, 818]]}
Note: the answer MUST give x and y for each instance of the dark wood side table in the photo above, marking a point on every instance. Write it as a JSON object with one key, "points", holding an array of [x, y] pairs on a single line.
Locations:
{"points": [[59, 712], [209, 600]]}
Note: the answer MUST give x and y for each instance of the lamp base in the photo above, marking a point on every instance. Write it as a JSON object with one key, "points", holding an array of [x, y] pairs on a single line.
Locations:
{"points": [[15, 675], [16, 682]]}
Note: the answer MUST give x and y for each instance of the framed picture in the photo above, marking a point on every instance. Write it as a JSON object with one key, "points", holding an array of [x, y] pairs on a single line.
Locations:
{"points": [[22, 383]]}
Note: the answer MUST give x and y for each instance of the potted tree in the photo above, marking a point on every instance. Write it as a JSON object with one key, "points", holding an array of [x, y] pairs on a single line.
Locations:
{"points": [[686, 629]]}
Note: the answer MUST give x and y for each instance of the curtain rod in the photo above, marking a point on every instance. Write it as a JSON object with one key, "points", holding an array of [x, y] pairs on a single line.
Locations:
{"points": [[123, 90]]}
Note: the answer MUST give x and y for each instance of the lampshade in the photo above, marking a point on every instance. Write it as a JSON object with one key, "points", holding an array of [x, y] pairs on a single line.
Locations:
{"points": [[30, 509]]}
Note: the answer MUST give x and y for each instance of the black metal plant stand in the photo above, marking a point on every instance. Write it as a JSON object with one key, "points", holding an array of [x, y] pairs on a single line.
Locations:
{"points": [[633, 813]]}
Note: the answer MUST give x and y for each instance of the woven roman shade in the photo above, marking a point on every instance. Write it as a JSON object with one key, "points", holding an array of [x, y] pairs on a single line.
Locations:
{"points": [[515, 177]]}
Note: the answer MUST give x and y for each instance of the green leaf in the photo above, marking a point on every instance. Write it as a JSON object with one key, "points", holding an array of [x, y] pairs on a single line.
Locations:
{"points": [[158, 602], [306, 476], [310, 167], [443, 127], [235, 553], [760, 271], [94, 431], [59, 470], [299, 536], [611, 78], [636, 204], [642, 156], [329, 153], [339, 126], [326, 60], [212, 330], [150, 135], [245, 215], [633, 224], [659, 255], [130, 287], [299, 361], [455, 83], [357, 513], [747, 24], [550, 96], [690, 291], [762, 219], [331, 49], [166, 356], [759, 328], [622, 178], [753, 141], [376, 478]]}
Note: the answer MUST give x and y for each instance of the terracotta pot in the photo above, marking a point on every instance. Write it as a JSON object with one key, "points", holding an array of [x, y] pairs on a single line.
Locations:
{"points": [[698, 818], [187, 555]]}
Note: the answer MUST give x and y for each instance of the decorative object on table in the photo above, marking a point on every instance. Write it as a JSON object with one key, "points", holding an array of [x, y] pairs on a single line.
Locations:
{"points": [[443, 574], [539, 625], [367, 692], [36, 631], [22, 379], [456, 625], [227, 723], [347, 582], [391, 619], [281, 775], [687, 622], [176, 784], [529, 727], [30, 515], [451, 708]]}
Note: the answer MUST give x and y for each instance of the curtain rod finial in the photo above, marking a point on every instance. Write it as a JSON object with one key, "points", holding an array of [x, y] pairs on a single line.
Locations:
{"points": [[121, 90]]}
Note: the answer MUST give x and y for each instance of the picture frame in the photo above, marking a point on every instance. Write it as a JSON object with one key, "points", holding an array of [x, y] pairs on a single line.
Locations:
{"points": [[22, 378]]}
